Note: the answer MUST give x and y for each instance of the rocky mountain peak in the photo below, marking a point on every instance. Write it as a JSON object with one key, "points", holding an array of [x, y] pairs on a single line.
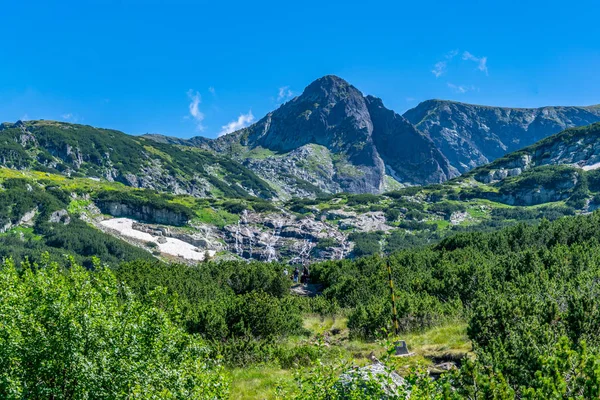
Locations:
{"points": [[330, 112], [363, 141], [329, 85], [332, 98]]}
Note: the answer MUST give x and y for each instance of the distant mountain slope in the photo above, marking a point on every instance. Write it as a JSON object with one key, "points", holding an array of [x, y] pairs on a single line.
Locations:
{"points": [[80, 150], [332, 138], [472, 135], [561, 168]]}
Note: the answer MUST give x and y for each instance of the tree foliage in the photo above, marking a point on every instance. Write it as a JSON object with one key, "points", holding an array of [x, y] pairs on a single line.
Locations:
{"points": [[71, 334]]}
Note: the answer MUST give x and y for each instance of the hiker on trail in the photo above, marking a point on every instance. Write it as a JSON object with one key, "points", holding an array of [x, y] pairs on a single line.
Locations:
{"points": [[296, 274], [285, 272], [305, 275]]}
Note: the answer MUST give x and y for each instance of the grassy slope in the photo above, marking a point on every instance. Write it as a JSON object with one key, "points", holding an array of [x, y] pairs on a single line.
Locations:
{"points": [[448, 342], [82, 150]]}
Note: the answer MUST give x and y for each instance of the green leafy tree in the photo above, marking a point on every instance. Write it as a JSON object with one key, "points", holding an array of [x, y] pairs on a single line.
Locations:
{"points": [[75, 334]]}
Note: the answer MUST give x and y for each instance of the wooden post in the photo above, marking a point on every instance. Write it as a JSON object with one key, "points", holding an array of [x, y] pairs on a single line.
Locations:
{"points": [[395, 313]]}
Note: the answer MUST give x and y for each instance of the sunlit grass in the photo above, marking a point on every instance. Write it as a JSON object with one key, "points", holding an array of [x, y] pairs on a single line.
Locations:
{"points": [[260, 153], [441, 223], [77, 206], [73, 184], [317, 324], [477, 212], [25, 231], [217, 217], [259, 382], [434, 342]]}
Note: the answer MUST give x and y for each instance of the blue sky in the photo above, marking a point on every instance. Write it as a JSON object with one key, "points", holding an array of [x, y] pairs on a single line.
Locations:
{"points": [[203, 68]]}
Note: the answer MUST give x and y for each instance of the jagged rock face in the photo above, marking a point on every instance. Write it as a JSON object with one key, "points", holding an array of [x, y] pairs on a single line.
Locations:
{"points": [[408, 154], [60, 216], [143, 213], [278, 236], [511, 167], [303, 172], [470, 135], [363, 137]]}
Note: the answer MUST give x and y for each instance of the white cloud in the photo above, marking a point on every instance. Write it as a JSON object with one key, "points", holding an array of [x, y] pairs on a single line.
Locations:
{"points": [[193, 107], [284, 93], [243, 121], [67, 116], [481, 61], [410, 99], [439, 68], [461, 88], [212, 90], [25, 117], [451, 54]]}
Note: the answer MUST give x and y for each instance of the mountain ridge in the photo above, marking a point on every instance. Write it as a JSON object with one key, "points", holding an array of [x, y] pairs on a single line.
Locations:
{"points": [[435, 141], [472, 135], [329, 139], [440, 100]]}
